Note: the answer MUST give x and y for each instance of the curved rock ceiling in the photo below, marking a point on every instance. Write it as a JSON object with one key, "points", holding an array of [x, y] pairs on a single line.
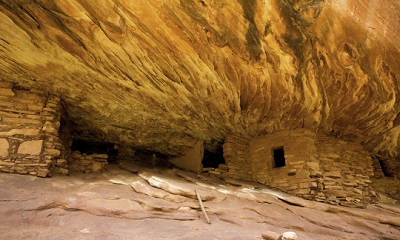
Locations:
{"points": [[162, 74]]}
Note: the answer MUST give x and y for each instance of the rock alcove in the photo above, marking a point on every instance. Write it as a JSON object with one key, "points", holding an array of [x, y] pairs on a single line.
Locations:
{"points": [[319, 78]]}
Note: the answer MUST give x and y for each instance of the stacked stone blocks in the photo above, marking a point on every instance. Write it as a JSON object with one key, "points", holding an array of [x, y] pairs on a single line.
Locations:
{"points": [[317, 166], [29, 123], [236, 152], [347, 169], [87, 163]]}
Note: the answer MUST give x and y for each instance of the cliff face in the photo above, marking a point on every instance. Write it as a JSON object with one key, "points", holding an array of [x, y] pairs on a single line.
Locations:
{"points": [[162, 74]]}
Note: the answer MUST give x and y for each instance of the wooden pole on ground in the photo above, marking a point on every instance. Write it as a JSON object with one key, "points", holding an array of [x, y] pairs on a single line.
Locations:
{"points": [[202, 207]]}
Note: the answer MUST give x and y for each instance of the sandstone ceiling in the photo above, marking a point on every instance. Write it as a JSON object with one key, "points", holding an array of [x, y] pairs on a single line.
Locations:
{"points": [[162, 74]]}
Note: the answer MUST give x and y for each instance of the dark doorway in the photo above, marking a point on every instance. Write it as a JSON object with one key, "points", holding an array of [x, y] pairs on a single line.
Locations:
{"points": [[89, 147], [279, 157], [385, 169], [212, 159]]}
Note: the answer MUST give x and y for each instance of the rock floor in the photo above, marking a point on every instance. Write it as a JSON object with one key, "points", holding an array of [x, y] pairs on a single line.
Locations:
{"points": [[132, 202]]}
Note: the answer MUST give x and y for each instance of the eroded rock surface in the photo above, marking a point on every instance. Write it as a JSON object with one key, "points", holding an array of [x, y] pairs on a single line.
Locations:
{"points": [[118, 204], [162, 74]]}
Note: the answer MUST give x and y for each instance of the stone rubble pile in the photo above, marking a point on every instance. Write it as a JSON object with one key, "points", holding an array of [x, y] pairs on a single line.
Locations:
{"points": [[222, 169], [87, 163], [268, 235]]}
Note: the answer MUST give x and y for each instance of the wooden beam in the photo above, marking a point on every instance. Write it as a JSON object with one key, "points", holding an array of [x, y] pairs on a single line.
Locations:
{"points": [[202, 207]]}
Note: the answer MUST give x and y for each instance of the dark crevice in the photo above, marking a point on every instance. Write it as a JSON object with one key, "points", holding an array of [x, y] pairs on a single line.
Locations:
{"points": [[253, 43]]}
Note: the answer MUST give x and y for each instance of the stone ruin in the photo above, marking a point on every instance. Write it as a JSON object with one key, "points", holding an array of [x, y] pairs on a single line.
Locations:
{"points": [[300, 162], [31, 140], [303, 163], [29, 132]]}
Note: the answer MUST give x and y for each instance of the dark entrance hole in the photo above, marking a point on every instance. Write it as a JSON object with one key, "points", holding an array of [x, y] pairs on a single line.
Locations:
{"points": [[89, 147], [279, 157], [385, 169], [212, 159]]}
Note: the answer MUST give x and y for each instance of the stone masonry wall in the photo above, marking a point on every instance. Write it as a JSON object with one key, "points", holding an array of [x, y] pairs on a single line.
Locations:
{"points": [[52, 147], [236, 154], [347, 169], [301, 174], [87, 163], [317, 166], [29, 124], [376, 165]]}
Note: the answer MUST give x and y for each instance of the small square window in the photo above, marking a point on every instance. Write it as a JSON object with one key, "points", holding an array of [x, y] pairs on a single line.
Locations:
{"points": [[279, 157]]}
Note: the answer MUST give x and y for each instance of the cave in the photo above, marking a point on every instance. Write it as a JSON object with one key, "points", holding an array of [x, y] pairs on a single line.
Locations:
{"points": [[229, 86], [315, 80]]}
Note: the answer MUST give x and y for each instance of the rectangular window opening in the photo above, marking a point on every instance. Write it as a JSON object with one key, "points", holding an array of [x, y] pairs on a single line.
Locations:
{"points": [[279, 157]]}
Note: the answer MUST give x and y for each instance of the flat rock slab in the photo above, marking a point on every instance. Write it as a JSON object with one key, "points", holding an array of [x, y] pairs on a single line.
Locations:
{"points": [[33, 147], [119, 204]]}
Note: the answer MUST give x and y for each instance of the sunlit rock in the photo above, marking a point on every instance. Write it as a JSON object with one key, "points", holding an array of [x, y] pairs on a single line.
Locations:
{"points": [[162, 75]]}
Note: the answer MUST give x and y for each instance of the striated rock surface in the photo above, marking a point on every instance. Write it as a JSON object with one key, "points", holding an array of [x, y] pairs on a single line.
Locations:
{"points": [[119, 204], [161, 75]]}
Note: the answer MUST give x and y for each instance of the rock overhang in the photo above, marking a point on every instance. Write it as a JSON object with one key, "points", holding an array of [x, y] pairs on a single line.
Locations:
{"points": [[162, 76]]}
